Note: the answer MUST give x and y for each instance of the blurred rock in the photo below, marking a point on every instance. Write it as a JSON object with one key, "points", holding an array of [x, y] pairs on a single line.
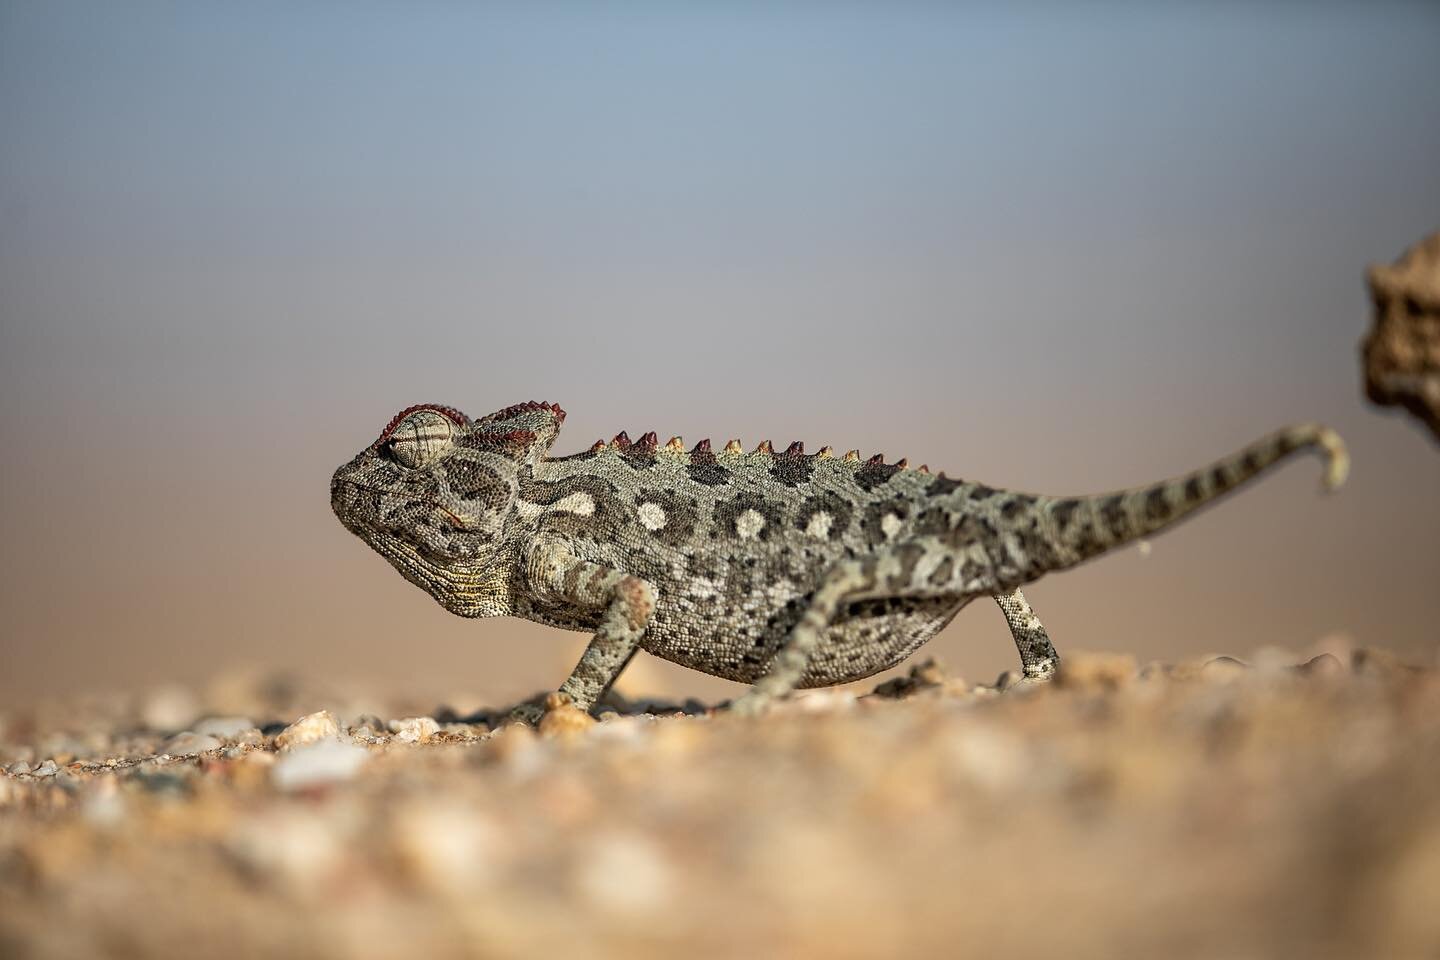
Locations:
{"points": [[169, 708], [188, 743], [1270, 813], [414, 729], [1224, 669], [449, 848], [562, 718], [926, 675], [225, 728], [1325, 665], [1096, 671], [1402, 349], [316, 764], [308, 729]]}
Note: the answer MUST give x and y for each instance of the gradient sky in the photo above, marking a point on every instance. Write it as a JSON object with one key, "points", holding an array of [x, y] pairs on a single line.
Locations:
{"points": [[1059, 248]]}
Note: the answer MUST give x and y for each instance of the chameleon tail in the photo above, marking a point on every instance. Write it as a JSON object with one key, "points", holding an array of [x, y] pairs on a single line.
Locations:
{"points": [[1083, 527]]}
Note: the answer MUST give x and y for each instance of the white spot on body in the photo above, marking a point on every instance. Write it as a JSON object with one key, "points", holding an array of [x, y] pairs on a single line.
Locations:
{"points": [[890, 525], [819, 525], [749, 524], [652, 515]]}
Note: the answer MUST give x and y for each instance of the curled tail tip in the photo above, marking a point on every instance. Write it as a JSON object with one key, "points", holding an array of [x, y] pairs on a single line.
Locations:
{"points": [[1332, 448], [1337, 466]]}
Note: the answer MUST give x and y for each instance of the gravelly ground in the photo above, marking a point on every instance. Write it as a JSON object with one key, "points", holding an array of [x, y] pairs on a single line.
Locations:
{"points": [[1200, 810]]}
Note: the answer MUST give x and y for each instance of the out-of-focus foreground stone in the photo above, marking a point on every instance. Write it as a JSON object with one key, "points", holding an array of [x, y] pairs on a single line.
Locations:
{"points": [[1402, 349], [1279, 809]]}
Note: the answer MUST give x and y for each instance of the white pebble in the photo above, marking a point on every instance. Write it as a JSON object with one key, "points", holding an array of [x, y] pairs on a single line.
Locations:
{"points": [[625, 872], [169, 708], [414, 729], [318, 764], [450, 846]]}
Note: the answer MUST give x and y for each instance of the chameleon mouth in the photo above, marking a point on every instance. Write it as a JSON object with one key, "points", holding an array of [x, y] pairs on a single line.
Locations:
{"points": [[466, 587]]}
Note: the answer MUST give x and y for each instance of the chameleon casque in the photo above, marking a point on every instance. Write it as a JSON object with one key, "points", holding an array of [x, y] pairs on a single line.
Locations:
{"points": [[779, 569]]}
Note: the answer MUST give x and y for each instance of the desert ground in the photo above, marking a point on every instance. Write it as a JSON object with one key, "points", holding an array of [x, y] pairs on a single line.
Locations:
{"points": [[1281, 805]]}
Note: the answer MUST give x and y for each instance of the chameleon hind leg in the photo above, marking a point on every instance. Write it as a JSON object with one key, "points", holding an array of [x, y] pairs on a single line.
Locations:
{"points": [[921, 569], [1038, 658]]}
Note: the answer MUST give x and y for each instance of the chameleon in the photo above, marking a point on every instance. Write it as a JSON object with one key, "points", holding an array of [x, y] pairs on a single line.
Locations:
{"points": [[779, 569]]}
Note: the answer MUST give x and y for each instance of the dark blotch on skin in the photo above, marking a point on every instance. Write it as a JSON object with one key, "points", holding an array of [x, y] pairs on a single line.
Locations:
{"points": [[708, 472], [727, 511], [874, 475], [465, 477], [1039, 550], [1112, 511], [875, 514], [638, 457], [932, 522], [942, 573], [943, 485], [1015, 505], [840, 511], [1063, 512], [681, 515], [1192, 490], [968, 529], [909, 556], [1157, 508], [792, 470]]}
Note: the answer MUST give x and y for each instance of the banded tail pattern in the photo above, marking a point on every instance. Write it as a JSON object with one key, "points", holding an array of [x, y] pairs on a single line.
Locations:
{"points": [[1083, 527]]}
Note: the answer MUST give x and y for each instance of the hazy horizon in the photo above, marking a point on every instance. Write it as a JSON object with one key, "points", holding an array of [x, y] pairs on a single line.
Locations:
{"points": [[1052, 248]]}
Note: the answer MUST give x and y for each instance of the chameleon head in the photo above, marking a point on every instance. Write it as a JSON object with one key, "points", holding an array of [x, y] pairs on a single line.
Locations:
{"points": [[429, 500], [432, 492]]}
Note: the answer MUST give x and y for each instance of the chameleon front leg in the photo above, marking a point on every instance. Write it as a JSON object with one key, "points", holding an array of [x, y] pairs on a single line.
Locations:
{"points": [[559, 578], [1038, 657]]}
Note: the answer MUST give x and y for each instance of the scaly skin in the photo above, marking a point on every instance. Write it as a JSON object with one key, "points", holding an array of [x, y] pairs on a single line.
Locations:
{"points": [[778, 569]]}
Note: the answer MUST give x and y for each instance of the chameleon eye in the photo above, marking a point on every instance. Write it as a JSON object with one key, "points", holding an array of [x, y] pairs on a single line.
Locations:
{"points": [[421, 438]]}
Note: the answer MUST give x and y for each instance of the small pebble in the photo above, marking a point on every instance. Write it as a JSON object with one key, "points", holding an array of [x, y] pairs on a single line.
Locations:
{"points": [[317, 764], [19, 768], [187, 744], [170, 708], [414, 729], [226, 728], [1096, 671], [562, 718], [1224, 668], [308, 729], [46, 769], [1325, 665]]}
